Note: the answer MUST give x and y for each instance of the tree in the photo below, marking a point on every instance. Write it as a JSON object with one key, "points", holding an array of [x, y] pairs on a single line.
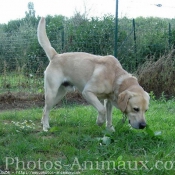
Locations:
{"points": [[31, 11]]}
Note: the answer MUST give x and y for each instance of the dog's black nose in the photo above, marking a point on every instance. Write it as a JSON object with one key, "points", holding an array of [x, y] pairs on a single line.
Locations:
{"points": [[142, 125]]}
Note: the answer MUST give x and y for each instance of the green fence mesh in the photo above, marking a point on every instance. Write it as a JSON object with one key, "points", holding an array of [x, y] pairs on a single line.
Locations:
{"points": [[23, 60]]}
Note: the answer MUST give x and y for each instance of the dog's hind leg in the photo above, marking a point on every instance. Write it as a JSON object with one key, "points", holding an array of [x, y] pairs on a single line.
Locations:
{"points": [[52, 97]]}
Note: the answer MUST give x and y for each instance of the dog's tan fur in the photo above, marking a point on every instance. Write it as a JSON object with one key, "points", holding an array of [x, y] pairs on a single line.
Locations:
{"points": [[97, 77]]}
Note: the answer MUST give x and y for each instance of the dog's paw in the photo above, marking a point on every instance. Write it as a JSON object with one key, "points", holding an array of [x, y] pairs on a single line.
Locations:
{"points": [[46, 128], [100, 121], [110, 128]]}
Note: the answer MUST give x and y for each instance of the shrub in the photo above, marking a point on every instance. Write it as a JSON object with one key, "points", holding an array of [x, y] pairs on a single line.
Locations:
{"points": [[159, 76]]}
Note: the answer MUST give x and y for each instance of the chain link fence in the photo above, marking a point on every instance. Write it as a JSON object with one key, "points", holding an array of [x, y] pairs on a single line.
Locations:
{"points": [[23, 60]]}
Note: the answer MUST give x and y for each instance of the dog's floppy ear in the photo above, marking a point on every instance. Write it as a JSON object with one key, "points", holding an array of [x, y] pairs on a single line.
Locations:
{"points": [[123, 100], [147, 96]]}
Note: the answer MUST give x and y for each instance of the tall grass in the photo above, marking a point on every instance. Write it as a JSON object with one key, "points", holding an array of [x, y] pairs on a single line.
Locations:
{"points": [[17, 82], [159, 76]]}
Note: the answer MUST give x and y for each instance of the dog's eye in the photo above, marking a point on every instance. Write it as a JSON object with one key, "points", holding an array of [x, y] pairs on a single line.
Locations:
{"points": [[136, 109]]}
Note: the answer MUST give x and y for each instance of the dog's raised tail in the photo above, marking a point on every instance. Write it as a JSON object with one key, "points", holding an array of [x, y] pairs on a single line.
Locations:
{"points": [[43, 39]]}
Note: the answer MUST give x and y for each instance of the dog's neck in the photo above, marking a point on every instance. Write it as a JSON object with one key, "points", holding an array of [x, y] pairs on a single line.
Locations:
{"points": [[126, 81], [128, 84]]}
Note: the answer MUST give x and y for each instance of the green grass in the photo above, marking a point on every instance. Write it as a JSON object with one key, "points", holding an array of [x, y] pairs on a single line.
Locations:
{"points": [[17, 80], [76, 144]]}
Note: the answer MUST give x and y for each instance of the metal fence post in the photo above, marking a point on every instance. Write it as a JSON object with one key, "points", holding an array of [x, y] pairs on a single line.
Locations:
{"points": [[135, 44], [116, 31], [62, 39], [169, 37]]}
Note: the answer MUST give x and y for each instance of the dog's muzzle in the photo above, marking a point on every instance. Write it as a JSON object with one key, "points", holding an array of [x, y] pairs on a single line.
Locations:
{"points": [[142, 125]]}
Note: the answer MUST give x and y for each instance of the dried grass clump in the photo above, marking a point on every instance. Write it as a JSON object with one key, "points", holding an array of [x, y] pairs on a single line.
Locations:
{"points": [[159, 76]]}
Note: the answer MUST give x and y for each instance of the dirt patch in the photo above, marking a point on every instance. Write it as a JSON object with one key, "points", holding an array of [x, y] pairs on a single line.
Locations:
{"points": [[21, 100]]}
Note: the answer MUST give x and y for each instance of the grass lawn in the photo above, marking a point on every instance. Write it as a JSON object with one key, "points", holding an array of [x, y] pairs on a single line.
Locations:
{"points": [[76, 145]]}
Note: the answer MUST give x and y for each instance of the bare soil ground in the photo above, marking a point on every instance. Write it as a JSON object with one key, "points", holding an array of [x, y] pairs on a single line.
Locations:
{"points": [[20, 100]]}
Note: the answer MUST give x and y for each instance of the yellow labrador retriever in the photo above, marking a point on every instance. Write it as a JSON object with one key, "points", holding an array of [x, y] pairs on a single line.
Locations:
{"points": [[97, 77]]}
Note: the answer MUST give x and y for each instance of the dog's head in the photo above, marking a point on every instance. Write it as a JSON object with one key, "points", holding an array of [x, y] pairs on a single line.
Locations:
{"points": [[134, 105]]}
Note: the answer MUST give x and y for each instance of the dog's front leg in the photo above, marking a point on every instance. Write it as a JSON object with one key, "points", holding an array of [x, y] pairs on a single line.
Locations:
{"points": [[109, 125], [93, 100]]}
